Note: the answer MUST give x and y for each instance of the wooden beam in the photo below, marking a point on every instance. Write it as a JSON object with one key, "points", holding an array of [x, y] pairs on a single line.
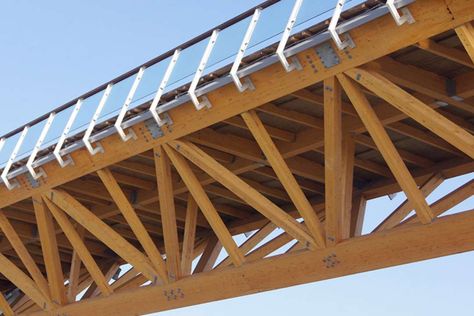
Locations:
{"points": [[134, 222], [415, 109], [348, 163], [206, 206], [465, 33], [243, 190], [450, 53], [75, 270], [273, 83], [285, 176], [397, 216], [168, 213], [358, 215], [334, 199], [103, 232], [387, 149], [78, 244], [447, 202], [5, 307], [49, 246], [189, 236], [448, 235], [209, 256], [23, 282], [25, 256]]}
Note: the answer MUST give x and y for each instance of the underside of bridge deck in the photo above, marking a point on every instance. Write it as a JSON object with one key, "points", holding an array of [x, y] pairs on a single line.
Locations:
{"points": [[199, 212]]}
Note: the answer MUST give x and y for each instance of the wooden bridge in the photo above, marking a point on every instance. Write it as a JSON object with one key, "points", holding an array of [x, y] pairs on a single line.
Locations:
{"points": [[182, 196]]}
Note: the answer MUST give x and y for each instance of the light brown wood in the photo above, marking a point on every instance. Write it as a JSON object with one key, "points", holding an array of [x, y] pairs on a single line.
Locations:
{"points": [[75, 270], [448, 235], [26, 258], [243, 190], [205, 205], [453, 54], [168, 213], [465, 33], [334, 193], [103, 232], [388, 150], [134, 221], [285, 176], [5, 306], [415, 109], [49, 246], [189, 236], [78, 244]]}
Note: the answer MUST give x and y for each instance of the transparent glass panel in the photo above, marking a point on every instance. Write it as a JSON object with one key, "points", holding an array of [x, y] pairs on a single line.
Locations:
{"points": [[57, 127], [7, 150]]}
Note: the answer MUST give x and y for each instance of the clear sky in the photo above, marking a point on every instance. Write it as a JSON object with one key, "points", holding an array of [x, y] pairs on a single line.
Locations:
{"points": [[53, 51]]}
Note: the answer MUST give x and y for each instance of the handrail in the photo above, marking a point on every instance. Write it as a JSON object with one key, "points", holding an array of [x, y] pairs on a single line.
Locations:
{"points": [[147, 64]]}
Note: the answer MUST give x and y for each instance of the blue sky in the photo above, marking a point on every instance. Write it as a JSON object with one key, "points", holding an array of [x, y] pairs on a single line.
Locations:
{"points": [[53, 51]]}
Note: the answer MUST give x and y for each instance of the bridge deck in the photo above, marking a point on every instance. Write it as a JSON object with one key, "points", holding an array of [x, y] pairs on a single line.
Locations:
{"points": [[303, 151]]}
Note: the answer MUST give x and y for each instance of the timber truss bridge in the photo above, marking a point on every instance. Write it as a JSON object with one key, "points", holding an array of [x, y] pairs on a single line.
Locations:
{"points": [[177, 183]]}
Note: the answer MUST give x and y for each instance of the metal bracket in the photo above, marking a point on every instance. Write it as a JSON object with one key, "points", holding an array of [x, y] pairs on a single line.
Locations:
{"points": [[333, 28], [240, 55], [13, 184], [161, 89], [39, 143], [329, 57], [86, 139], [33, 182], [118, 123], [202, 66], [406, 16], [154, 129], [286, 35], [57, 150], [331, 261]]}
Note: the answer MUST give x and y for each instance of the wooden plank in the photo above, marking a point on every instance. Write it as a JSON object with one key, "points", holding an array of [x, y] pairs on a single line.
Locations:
{"points": [[415, 109], [5, 307], [450, 53], [465, 33], [285, 176], [447, 202], [387, 149], [23, 282], [134, 222], [189, 236], [103, 232], [25, 256], [334, 199], [209, 256], [75, 270], [78, 244], [206, 206], [348, 163], [406, 207], [251, 242], [448, 235], [243, 190], [168, 213], [358, 215], [49, 246], [273, 82]]}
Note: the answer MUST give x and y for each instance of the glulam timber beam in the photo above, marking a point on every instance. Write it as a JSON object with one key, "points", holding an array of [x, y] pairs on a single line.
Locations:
{"points": [[448, 235], [465, 33], [272, 82]]}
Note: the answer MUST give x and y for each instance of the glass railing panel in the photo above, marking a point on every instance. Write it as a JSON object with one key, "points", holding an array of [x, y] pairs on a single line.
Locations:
{"points": [[7, 150], [88, 108], [30, 140], [57, 128], [271, 25], [150, 81], [186, 66], [316, 11], [227, 46], [116, 99]]}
